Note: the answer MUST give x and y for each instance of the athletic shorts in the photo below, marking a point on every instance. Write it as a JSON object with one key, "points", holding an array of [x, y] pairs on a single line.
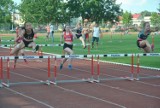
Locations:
{"points": [[138, 44], [19, 39], [95, 39], [86, 36], [67, 46], [78, 35], [26, 43]]}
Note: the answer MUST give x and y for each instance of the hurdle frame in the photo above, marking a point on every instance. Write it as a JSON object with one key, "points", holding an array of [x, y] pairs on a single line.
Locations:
{"points": [[56, 81], [8, 83], [91, 79]]}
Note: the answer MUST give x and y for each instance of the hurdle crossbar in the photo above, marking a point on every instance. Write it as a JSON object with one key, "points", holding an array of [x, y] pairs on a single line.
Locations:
{"points": [[81, 56], [43, 45]]}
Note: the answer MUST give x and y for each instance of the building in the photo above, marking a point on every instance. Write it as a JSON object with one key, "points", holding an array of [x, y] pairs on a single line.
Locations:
{"points": [[136, 19], [17, 19]]}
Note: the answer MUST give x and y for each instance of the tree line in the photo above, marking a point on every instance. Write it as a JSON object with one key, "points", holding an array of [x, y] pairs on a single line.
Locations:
{"points": [[62, 11]]}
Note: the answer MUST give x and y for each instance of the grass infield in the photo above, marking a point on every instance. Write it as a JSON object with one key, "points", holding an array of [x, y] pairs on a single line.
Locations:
{"points": [[108, 44]]}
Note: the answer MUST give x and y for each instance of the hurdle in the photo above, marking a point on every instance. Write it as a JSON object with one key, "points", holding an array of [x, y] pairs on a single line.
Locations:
{"points": [[57, 81], [138, 77], [94, 77], [131, 77], [47, 45], [8, 83], [98, 78]]}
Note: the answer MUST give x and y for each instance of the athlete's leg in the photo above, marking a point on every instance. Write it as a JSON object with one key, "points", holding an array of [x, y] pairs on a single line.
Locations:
{"points": [[69, 52], [82, 40], [93, 39], [22, 52], [17, 48], [146, 46], [97, 40], [33, 46]]}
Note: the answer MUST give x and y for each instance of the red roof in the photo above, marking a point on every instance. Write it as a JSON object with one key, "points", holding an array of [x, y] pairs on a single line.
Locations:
{"points": [[136, 16]]}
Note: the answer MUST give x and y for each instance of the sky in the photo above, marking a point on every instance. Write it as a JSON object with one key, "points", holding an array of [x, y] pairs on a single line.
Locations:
{"points": [[137, 6], [134, 6]]}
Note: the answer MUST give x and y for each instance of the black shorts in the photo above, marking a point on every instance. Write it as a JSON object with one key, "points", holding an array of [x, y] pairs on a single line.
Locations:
{"points": [[26, 43], [67, 46], [95, 39], [78, 35], [138, 44]]}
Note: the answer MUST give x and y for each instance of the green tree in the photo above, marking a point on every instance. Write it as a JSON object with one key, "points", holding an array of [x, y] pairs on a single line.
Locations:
{"points": [[155, 19], [145, 13], [94, 10], [127, 18], [58, 11], [40, 11], [6, 8]]}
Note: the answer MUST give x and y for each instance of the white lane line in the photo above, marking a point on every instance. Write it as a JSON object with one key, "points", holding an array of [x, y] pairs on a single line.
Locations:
{"points": [[124, 90], [93, 97], [31, 98], [155, 85], [134, 92], [69, 90]]}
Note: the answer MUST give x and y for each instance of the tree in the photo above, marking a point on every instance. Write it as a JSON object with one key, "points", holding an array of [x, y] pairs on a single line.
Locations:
{"points": [[145, 13], [6, 7], [44, 11], [58, 11], [155, 19], [94, 10], [127, 18]]}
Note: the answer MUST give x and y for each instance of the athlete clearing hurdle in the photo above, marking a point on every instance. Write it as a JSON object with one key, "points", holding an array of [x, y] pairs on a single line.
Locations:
{"points": [[144, 32], [18, 40], [27, 35], [68, 46]]}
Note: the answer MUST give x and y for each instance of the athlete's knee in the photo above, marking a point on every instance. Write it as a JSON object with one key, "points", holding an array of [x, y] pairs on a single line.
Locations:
{"points": [[18, 46], [143, 46], [71, 52]]}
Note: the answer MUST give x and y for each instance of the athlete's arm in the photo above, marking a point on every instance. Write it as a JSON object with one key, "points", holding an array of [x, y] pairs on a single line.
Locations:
{"points": [[154, 29]]}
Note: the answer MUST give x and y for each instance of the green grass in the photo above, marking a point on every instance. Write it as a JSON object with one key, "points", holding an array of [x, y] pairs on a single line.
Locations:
{"points": [[118, 44]]}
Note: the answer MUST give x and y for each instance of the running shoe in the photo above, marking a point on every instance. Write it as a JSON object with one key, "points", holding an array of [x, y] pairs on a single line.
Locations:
{"points": [[36, 49], [14, 66], [70, 67], [84, 47], [61, 66], [25, 61]]}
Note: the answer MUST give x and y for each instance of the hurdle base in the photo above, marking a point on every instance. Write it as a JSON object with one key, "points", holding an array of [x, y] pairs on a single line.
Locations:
{"points": [[5, 84], [150, 77], [117, 78], [71, 81], [24, 83]]}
